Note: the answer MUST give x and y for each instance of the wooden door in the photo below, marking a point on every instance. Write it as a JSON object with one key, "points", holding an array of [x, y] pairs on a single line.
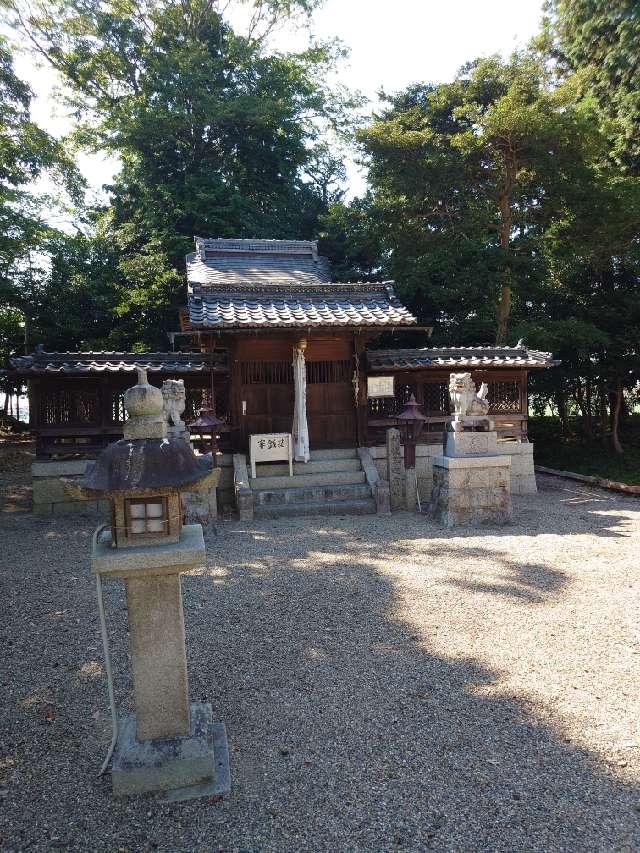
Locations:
{"points": [[331, 411], [267, 394]]}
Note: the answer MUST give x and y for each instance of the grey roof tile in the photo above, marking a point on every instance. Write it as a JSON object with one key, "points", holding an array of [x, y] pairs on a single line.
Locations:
{"points": [[334, 305], [458, 357], [83, 363], [279, 284]]}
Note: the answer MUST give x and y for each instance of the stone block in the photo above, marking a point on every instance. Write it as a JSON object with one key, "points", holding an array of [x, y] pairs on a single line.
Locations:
{"points": [[471, 443], [188, 553], [60, 468], [141, 767], [395, 474], [243, 493], [91, 509], [471, 491], [43, 509], [49, 490], [200, 507], [383, 498], [411, 489]]}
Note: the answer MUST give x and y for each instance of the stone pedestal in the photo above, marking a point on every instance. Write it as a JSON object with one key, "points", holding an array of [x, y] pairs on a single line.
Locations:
{"points": [[471, 490], [158, 656], [459, 444], [167, 743], [164, 764]]}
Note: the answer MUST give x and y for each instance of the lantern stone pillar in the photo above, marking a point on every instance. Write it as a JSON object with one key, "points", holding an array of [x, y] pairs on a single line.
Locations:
{"points": [[168, 743]]}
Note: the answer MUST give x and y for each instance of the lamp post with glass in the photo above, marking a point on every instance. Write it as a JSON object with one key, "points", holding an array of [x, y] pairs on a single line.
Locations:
{"points": [[411, 422]]}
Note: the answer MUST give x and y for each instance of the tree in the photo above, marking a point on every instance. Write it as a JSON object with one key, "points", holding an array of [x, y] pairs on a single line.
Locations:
{"points": [[26, 153], [466, 175], [600, 40], [215, 133]]}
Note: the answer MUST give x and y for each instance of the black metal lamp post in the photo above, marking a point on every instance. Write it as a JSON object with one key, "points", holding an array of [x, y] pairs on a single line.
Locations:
{"points": [[411, 422], [208, 424]]}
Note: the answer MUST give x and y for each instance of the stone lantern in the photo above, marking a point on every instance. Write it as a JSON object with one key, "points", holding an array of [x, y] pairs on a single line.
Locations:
{"points": [[168, 743], [411, 423]]}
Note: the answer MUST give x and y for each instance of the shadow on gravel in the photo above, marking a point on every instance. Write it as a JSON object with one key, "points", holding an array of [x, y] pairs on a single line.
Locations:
{"points": [[527, 582], [349, 730], [346, 730]]}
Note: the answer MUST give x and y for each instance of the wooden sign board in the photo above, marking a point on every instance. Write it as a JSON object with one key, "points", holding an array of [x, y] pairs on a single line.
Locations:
{"points": [[380, 386], [271, 447]]}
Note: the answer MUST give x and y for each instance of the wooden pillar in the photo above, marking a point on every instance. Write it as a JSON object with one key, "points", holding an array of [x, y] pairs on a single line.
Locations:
{"points": [[235, 396], [524, 404], [361, 401]]}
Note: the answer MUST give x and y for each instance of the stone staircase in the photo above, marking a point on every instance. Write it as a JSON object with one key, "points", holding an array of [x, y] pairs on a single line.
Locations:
{"points": [[333, 482]]}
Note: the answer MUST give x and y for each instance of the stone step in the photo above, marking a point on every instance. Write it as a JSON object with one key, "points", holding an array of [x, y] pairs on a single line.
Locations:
{"points": [[333, 478], [363, 506], [322, 466], [335, 453], [317, 494]]}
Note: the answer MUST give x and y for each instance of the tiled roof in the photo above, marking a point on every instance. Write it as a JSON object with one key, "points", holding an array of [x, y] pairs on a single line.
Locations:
{"points": [[245, 262], [82, 363], [475, 358], [279, 284], [334, 305]]}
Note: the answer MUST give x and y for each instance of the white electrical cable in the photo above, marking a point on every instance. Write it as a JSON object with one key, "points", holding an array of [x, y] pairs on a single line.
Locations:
{"points": [[107, 660], [415, 474]]}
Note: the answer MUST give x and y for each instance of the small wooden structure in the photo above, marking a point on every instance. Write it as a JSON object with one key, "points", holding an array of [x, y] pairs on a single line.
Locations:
{"points": [[76, 399], [425, 374], [250, 304]]}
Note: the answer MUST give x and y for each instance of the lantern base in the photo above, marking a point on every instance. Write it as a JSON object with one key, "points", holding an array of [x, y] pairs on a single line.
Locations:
{"points": [[165, 764]]}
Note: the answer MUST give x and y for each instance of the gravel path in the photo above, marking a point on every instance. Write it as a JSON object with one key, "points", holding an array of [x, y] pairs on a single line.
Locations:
{"points": [[386, 685]]}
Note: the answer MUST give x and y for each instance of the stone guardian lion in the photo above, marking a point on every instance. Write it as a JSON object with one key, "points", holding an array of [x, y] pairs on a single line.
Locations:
{"points": [[465, 400]]}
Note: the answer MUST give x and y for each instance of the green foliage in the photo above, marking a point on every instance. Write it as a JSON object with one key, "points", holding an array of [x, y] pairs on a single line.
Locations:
{"points": [[600, 39], [216, 135], [466, 176], [26, 153]]}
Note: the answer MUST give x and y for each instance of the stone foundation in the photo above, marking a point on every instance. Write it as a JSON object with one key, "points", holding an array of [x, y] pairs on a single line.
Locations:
{"points": [[523, 481], [50, 498], [471, 490]]}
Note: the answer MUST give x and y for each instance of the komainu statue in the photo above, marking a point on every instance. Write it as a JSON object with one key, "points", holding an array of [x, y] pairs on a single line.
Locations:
{"points": [[464, 399], [174, 402]]}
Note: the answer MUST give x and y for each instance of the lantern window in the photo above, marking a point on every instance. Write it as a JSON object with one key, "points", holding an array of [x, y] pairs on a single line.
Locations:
{"points": [[147, 516]]}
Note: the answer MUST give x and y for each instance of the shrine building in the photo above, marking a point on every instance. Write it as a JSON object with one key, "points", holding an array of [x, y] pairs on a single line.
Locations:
{"points": [[272, 345]]}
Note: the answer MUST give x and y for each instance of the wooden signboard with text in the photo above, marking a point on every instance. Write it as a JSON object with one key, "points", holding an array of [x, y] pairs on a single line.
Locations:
{"points": [[271, 447]]}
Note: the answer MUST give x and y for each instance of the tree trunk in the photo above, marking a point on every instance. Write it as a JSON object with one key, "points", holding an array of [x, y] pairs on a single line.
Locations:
{"points": [[604, 418], [504, 309], [561, 403], [582, 400], [616, 420], [504, 232], [589, 405]]}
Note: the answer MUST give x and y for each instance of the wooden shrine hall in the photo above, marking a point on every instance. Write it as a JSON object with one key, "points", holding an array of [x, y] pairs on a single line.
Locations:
{"points": [[279, 344]]}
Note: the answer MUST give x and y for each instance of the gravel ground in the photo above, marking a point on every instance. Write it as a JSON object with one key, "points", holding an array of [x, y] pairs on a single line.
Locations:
{"points": [[386, 685]]}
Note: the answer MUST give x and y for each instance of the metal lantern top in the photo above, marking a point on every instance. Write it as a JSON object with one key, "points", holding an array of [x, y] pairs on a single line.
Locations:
{"points": [[206, 420], [411, 412]]}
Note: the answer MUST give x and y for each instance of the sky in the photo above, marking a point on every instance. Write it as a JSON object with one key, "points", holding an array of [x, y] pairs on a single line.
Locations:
{"points": [[392, 44]]}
